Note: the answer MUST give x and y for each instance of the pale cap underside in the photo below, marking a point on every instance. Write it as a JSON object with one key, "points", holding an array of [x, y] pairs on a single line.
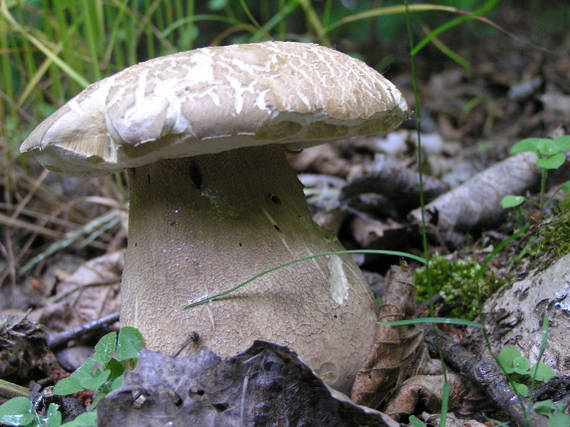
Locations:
{"points": [[214, 99]]}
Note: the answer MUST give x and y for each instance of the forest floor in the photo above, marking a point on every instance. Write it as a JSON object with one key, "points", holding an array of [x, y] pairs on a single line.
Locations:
{"points": [[64, 239]]}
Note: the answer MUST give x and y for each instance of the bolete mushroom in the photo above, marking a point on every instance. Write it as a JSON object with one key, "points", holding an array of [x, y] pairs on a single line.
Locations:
{"points": [[213, 200]]}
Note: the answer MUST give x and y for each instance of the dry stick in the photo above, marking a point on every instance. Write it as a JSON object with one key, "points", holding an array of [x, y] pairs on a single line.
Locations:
{"points": [[12, 260], [35, 185], [57, 340], [59, 297], [477, 202], [486, 374]]}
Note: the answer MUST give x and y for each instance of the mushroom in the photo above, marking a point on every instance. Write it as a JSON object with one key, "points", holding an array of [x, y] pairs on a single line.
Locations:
{"points": [[213, 200]]}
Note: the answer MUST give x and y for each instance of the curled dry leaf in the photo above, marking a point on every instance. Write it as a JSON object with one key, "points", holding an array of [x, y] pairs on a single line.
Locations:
{"points": [[425, 391], [397, 183], [23, 348], [323, 159], [397, 352], [451, 421], [88, 294]]}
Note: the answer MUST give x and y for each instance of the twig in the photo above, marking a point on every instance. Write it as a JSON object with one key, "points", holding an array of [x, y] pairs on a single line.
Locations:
{"points": [[58, 339], [486, 374], [104, 222], [9, 390]]}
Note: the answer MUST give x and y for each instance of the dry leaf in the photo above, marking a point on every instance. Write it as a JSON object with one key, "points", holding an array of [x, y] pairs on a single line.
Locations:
{"points": [[397, 352]]}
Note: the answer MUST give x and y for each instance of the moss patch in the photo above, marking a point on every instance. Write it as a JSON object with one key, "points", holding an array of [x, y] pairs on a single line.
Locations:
{"points": [[553, 236], [455, 282]]}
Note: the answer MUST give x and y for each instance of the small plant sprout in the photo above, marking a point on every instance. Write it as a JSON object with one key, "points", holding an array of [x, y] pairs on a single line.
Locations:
{"points": [[102, 373], [556, 413], [551, 155], [518, 368]]}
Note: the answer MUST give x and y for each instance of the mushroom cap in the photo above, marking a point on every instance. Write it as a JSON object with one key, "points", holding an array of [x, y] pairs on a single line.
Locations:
{"points": [[214, 99]]}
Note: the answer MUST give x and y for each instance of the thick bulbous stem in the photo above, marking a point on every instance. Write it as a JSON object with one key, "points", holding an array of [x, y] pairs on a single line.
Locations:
{"points": [[198, 226]]}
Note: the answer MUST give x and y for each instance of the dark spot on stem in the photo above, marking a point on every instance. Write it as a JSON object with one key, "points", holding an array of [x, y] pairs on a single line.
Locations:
{"points": [[175, 398], [195, 175], [197, 391], [277, 228], [275, 199], [220, 407]]}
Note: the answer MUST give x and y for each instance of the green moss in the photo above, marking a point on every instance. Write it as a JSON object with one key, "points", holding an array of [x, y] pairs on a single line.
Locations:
{"points": [[554, 235], [455, 282]]}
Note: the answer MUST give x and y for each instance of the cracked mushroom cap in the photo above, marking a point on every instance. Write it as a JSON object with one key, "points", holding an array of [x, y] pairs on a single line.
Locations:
{"points": [[214, 99]]}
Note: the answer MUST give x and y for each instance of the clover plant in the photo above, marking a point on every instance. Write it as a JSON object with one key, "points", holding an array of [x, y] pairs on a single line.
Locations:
{"points": [[102, 373], [551, 156]]}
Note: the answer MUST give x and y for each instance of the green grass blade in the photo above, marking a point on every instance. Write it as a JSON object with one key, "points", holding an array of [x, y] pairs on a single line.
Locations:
{"points": [[277, 19], [91, 37], [248, 13], [314, 22], [433, 321], [295, 261], [41, 46], [489, 5], [444, 404], [196, 18], [389, 10], [448, 52]]}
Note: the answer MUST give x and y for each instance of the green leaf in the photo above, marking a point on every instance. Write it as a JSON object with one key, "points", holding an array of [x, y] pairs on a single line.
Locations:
{"points": [[543, 372], [115, 368], [105, 348], [552, 162], [75, 382], [559, 420], [520, 389], [566, 186], [521, 365], [95, 381], [97, 399], [547, 147], [416, 422], [511, 201], [53, 416], [68, 385], [87, 419], [544, 407], [117, 382], [130, 343], [506, 358], [17, 411], [563, 143], [527, 145]]}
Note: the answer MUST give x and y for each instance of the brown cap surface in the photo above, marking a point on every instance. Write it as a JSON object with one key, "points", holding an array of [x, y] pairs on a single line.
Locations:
{"points": [[215, 99]]}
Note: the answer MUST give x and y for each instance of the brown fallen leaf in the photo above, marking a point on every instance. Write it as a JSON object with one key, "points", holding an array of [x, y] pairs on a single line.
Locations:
{"points": [[323, 159], [452, 421], [88, 294], [397, 183], [425, 391], [24, 352], [397, 352]]}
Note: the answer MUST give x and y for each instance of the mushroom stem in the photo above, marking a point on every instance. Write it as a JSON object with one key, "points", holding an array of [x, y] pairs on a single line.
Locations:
{"points": [[201, 225]]}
